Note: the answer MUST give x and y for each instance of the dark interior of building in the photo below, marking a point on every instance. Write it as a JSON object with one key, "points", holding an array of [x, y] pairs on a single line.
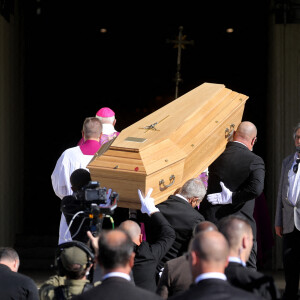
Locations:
{"points": [[72, 69]]}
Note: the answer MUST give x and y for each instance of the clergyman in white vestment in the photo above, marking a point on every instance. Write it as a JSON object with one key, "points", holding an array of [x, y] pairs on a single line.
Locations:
{"points": [[71, 160]]}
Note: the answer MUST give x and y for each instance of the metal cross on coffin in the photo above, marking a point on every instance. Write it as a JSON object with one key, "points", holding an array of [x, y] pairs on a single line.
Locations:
{"points": [[152, 126], [180, 44]]}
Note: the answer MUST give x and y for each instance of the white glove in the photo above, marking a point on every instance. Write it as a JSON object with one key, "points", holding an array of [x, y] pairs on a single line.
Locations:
{"points": [[147, 202], [225, 197]]}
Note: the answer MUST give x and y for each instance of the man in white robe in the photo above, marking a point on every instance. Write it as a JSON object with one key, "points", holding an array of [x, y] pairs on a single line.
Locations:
{"points": [[71, 160]]}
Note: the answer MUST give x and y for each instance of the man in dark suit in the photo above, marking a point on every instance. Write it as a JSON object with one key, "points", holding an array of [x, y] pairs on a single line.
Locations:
{"points": [[116, 258], [235, 179], [238, 232], [14, 285], [147, 255], [180, 212], [208, 256], [287, 218], [176, 276]]}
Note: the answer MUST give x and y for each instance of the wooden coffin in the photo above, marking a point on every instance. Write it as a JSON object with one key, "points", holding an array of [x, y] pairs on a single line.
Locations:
{"points": [[169, 146]]}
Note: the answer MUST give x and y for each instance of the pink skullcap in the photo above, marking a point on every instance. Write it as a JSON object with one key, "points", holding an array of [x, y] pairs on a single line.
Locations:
{"points": [[105, 112]]}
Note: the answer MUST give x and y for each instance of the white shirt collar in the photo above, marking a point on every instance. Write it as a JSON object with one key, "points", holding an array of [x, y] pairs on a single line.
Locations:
{"points": [[237, 260], [209, 275], [178, 195], [116, 274]]}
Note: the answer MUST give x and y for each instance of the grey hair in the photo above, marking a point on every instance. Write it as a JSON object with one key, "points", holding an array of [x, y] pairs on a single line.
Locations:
{"points": [[193, 188], [295, 130], [106, 120]]}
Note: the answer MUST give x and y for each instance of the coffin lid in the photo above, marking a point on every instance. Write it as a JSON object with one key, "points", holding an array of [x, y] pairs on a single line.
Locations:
{"points": [[166, 130]]}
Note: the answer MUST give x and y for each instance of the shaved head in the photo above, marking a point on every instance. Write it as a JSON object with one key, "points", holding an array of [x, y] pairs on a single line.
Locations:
{"points": [[205, 226], [115, 248], [233, 228], [211, 246], [246, 130], [236, 229], [132, 228]]}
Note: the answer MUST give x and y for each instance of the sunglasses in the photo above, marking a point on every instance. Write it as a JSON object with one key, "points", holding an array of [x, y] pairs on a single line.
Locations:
{"points": [[295, 167]]}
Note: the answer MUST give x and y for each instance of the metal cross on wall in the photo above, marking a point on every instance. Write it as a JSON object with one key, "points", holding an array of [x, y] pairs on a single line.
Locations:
{"points": [[180, 44]]}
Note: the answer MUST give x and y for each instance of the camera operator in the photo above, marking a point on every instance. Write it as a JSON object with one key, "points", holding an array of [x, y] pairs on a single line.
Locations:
{"points": [[86, 208], [70, 205]]}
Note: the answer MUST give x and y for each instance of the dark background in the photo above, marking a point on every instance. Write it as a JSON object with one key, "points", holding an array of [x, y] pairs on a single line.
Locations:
{"points": [[72, 70]]}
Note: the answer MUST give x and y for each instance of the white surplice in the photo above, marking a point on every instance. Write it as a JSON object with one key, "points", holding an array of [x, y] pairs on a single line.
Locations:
{"points": [[70, 160]]}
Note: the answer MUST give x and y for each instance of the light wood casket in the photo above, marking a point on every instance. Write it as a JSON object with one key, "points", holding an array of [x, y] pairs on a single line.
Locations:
{"points": [[169, 146]]}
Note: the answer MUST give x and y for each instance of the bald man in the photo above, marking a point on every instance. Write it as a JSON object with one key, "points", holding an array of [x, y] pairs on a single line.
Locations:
{"points": [[176, 276], [116, 258], [236, 179], [208, 258]]}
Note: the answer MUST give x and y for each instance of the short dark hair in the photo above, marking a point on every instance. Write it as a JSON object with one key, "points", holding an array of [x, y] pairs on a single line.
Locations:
{"points": [[7, 253], [79, 178], [114, 253], [233, 227]]}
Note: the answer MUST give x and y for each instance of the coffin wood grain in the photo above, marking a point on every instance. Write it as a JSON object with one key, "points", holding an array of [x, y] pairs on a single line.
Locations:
{"points": [[187, 135]]}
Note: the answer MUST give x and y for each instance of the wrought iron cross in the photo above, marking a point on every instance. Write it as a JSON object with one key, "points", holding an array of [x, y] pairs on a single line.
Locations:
{"points": [[180, 44]]}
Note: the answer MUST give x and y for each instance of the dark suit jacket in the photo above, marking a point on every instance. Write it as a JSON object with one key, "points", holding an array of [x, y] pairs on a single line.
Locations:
{"points": [[183, 218], [14, 285], [243, 172], [214, 289], [252, 281], [116, 288], [176, 277], [149, 255]]}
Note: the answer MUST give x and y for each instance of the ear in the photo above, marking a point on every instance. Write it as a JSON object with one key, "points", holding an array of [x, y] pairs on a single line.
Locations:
{"points": [[194, 258], [114, 123], [15, 265], [141, 238], [244, 242]]}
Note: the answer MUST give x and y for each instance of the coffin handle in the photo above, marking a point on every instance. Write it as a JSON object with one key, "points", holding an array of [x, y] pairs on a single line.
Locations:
{"points": [[229, 131], [172, 180]]}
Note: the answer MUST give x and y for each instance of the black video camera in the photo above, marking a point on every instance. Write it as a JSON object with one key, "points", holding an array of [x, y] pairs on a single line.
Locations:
{"points": [[86, 209], [94, 199]]}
